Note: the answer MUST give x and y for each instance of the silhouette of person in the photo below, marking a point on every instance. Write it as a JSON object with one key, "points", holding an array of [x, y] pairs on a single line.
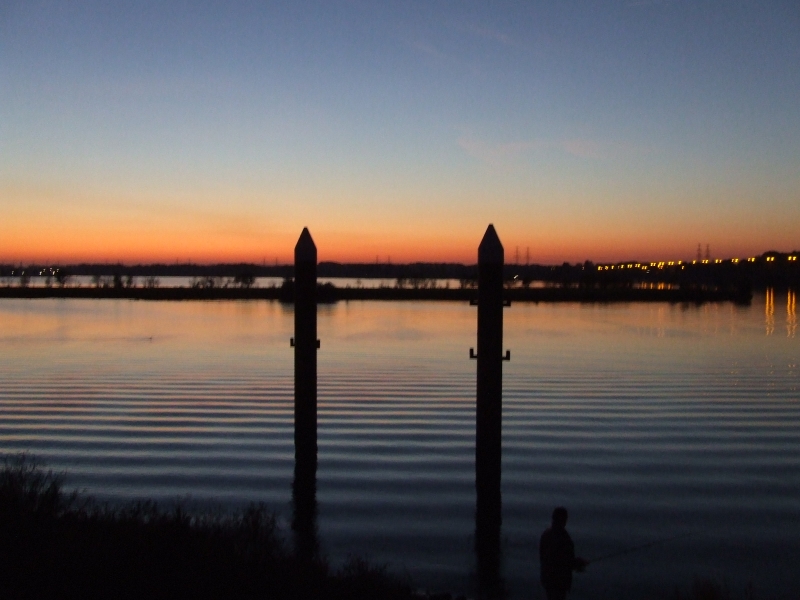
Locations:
{"points": [[557, 557]]}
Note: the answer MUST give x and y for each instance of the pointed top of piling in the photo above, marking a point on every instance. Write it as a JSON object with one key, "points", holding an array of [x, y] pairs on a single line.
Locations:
{"points": [[305, 250], [490, 250]]}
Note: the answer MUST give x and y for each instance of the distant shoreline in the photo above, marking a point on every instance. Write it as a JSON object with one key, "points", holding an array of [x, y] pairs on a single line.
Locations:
{"points": [[330, 294], [769, 270]]}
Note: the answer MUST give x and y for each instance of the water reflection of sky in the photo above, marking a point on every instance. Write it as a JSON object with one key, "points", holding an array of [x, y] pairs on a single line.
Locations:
{"points": [[647, 420]]}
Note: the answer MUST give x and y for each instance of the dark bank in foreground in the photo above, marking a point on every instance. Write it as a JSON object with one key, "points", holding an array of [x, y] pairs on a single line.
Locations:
{"points": [[63, 545], [55, 544]]}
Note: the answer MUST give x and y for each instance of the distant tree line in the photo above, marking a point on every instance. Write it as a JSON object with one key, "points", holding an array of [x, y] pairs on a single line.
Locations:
{"points": [[773, 269]]}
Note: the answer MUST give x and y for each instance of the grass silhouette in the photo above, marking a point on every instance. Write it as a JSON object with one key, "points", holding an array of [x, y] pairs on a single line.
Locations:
{"points": [[712, 589], [55, 544]]}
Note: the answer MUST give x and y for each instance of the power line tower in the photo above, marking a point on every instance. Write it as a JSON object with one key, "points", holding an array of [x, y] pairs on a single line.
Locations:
{"points": [[708, 252]]}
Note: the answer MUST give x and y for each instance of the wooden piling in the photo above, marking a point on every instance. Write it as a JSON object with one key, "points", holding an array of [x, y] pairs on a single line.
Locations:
{"points": [[488, 429], [305, 350]]}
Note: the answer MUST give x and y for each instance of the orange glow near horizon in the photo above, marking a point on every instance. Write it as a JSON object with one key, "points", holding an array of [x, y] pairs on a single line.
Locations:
{"points": [[197, 246], [69, 248], [214, 135], [51, 227]]}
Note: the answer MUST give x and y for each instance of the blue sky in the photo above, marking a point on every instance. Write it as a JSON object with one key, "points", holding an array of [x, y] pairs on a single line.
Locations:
{"points": [[202, 131]]}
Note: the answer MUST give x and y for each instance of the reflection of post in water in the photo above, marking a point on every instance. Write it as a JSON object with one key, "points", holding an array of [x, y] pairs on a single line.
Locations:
{"points": [[488, 426], [791, 314], [490, 583], [769, 310], [304, 505], [305, 393]]}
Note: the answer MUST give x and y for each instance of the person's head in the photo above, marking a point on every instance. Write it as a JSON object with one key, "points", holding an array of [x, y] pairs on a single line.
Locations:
{"points": [[560, 517]]}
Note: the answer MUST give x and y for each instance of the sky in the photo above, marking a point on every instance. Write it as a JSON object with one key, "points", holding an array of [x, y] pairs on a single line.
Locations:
{"points": [[397, 131]]}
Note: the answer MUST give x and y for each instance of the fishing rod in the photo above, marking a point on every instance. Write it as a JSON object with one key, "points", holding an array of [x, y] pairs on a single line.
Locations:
{"points": [[638, 547]]}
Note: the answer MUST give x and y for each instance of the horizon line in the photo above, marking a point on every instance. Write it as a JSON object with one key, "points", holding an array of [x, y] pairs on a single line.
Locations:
{"points": [[265, 264]]}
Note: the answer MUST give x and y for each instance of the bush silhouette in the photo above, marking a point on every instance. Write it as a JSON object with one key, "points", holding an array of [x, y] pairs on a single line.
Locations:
{"points": [[57, 545]]}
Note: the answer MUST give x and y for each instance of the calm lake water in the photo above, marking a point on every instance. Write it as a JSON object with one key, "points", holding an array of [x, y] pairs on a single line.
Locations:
{"points": [[648, 421]]}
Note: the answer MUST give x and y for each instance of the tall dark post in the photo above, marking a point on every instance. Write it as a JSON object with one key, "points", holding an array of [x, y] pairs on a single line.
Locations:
{"points": [[305, 347], [305, 392], [489, 412]]}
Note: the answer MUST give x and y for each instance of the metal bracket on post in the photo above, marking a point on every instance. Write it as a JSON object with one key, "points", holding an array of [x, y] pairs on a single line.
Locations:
{"points": [[506, 302], [472, 353], [291, 342], [508, 355], [317, 343]]}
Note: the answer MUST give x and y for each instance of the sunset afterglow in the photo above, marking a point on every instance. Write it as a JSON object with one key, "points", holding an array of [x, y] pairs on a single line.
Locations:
{"points": [[162, 132]]}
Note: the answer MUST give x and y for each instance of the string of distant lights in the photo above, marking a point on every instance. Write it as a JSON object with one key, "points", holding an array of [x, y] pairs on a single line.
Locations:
{"points": [[682, 264]]}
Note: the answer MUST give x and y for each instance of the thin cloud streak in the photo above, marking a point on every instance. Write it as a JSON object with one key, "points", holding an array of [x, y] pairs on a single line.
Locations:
{"points": [[581, 148], [502, 156], [494, 35], [507, 155], [429, 50], [440, 58]]}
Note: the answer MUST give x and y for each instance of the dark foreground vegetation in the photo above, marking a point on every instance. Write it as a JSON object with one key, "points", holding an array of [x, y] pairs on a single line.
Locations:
{"points": [[59, 545], [710, 589]]}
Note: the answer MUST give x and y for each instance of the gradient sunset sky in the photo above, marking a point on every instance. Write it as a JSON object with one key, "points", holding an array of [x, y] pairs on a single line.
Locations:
{"points": [[215, 131]]}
